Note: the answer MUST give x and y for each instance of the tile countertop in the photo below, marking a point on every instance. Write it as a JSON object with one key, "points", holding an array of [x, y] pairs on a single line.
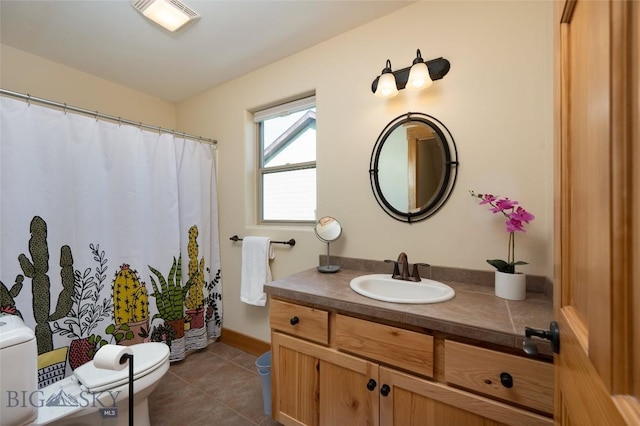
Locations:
{"points": [[474, 313]]}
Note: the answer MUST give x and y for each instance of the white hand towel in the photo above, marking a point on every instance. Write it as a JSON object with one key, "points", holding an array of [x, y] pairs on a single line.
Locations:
{"points": [[256, 252]]}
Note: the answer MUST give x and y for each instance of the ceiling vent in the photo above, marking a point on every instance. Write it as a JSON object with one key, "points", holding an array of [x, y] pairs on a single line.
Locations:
{"points": [[170, 14]]}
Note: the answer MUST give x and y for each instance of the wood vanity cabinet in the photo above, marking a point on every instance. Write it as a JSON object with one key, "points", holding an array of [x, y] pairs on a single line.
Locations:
{"points": [[334, 369]]}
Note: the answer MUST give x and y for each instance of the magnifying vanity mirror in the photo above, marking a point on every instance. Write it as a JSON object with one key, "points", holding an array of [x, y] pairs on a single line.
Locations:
{"points": [[328, 230], [413, 167]]}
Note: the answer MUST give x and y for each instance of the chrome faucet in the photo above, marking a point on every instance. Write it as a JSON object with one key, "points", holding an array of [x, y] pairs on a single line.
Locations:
{"points": [[404, 275]]}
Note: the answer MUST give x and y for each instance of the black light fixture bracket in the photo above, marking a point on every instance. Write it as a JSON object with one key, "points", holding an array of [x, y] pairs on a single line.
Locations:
{"points": [[438, 68]]}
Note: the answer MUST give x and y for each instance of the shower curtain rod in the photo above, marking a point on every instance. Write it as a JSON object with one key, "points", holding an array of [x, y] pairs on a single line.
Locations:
{"points": [[97, 115]]}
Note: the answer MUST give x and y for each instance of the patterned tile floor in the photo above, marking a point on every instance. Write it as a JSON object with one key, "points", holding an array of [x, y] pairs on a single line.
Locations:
{"points": [[218, 386]]}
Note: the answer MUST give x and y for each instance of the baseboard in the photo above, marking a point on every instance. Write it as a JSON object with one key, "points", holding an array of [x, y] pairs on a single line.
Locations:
{"points": [[246, 343]]}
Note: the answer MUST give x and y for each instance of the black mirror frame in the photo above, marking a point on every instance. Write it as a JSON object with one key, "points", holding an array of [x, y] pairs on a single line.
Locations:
{"points": [[450, 167]]}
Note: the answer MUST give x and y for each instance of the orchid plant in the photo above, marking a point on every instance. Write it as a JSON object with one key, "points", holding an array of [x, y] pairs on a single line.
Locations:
{"points": [[516, 218]]}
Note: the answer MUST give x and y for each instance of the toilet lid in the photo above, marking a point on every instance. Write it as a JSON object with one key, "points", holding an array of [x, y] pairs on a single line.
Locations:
{"points": [[146, 358]]}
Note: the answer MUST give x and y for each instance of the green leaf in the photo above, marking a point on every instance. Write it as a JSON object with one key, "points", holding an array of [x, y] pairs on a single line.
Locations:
{"points": [[501, 265], [505, 267]]}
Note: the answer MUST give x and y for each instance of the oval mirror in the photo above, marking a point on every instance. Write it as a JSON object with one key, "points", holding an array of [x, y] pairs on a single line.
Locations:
{"points": [[413, 167], [328, 230]]}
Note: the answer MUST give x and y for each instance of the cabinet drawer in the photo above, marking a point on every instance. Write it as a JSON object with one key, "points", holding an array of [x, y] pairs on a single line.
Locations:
{"points": [[301, 321], [480, 370], [403, 349]]}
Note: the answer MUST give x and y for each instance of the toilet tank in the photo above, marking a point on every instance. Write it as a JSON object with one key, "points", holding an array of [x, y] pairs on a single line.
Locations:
{"points": [[18, 372]]}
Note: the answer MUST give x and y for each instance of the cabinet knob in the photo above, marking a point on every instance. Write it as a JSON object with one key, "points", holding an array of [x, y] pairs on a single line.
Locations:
{"points": [[506, 380], [294, 320], [384, 390], [371, 385]]}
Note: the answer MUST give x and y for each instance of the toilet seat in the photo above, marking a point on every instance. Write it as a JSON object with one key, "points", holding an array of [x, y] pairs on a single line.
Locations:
{"points": [[146, 358]]}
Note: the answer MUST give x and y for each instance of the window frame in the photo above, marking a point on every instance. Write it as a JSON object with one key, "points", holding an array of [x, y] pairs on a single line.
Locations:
{"points": [[259, 117]]}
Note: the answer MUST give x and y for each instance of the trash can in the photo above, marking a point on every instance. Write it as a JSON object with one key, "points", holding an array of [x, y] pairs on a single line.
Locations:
{"points": [[264, 370]]}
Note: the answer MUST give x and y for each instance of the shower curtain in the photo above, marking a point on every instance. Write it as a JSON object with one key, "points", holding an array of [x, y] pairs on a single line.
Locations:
{"points": [[108, 234]]}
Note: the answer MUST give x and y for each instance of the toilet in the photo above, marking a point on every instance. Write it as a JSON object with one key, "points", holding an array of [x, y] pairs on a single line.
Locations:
{"points": [[89, 396]]}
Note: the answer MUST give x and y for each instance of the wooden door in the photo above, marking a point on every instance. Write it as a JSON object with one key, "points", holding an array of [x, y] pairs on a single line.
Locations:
{"points": [[597, 213]]}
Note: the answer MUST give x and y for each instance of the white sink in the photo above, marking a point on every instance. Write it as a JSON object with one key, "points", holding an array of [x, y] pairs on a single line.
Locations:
{"points": [[383, 287]]}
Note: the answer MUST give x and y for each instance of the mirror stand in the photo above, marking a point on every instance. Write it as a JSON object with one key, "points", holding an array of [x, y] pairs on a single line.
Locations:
{"points": [[328, 268], [328, 230]]}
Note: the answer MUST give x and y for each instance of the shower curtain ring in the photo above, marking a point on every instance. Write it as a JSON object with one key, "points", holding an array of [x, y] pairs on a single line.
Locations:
{"points": [[119, 121], [97, 115], [65, 109], [28, 99]]}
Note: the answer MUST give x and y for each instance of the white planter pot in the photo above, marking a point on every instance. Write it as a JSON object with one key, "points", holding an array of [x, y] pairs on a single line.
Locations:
{"points": [[511, 286]]}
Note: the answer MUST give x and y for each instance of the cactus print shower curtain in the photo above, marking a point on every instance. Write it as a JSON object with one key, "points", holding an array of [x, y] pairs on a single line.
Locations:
{"points": [[108, 234]]}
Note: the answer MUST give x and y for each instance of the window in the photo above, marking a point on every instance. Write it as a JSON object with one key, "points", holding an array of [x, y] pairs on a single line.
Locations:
{"points": [[287, 162]]}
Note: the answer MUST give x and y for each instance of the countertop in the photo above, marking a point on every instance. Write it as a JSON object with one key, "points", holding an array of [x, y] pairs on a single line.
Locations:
{"points": [[474, 313]]}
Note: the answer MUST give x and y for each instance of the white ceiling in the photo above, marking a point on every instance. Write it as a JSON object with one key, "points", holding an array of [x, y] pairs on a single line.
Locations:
{"points": [[111, 40]]}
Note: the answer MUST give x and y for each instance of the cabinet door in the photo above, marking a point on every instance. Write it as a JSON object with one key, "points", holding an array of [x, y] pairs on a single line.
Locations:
{"points": [[419, 402], [348, 391], [316, 385], [295, 381]]}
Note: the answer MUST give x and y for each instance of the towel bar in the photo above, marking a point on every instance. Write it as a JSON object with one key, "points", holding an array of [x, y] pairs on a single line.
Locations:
{"points": [[291, 242]]}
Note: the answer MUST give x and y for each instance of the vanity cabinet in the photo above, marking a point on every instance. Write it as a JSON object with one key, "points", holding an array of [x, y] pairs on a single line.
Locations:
{"points": [[347, 370]]}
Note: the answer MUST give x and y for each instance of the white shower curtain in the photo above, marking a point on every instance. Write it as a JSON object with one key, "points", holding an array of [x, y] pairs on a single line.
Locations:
{"points": [[108, 234]]}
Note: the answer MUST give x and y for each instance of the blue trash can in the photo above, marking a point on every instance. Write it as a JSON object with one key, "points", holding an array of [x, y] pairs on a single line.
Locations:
{"points": [[264, 370]]}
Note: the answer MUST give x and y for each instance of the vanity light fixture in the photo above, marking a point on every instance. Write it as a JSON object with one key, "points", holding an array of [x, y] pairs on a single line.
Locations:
{"points": [[170, 14], [419, 75]]}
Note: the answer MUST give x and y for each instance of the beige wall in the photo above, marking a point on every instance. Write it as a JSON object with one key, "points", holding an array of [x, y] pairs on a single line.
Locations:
{"points": [[496, 101], [25, 73]]}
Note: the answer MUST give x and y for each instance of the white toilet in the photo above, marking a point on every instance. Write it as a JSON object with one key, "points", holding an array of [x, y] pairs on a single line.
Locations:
{"points": [[85, 398]]}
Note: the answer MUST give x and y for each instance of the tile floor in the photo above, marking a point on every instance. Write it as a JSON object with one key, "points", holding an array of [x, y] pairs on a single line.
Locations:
{"points": [[218, 385]]}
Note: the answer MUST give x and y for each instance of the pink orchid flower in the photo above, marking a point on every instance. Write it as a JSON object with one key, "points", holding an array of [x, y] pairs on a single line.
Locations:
{"points": [[522, 215], [514, 225], [487, 198], [503, 204], [516, 218]]}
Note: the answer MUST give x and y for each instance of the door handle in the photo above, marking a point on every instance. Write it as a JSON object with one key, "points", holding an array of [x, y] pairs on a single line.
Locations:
{"points": [[553, 335]]}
